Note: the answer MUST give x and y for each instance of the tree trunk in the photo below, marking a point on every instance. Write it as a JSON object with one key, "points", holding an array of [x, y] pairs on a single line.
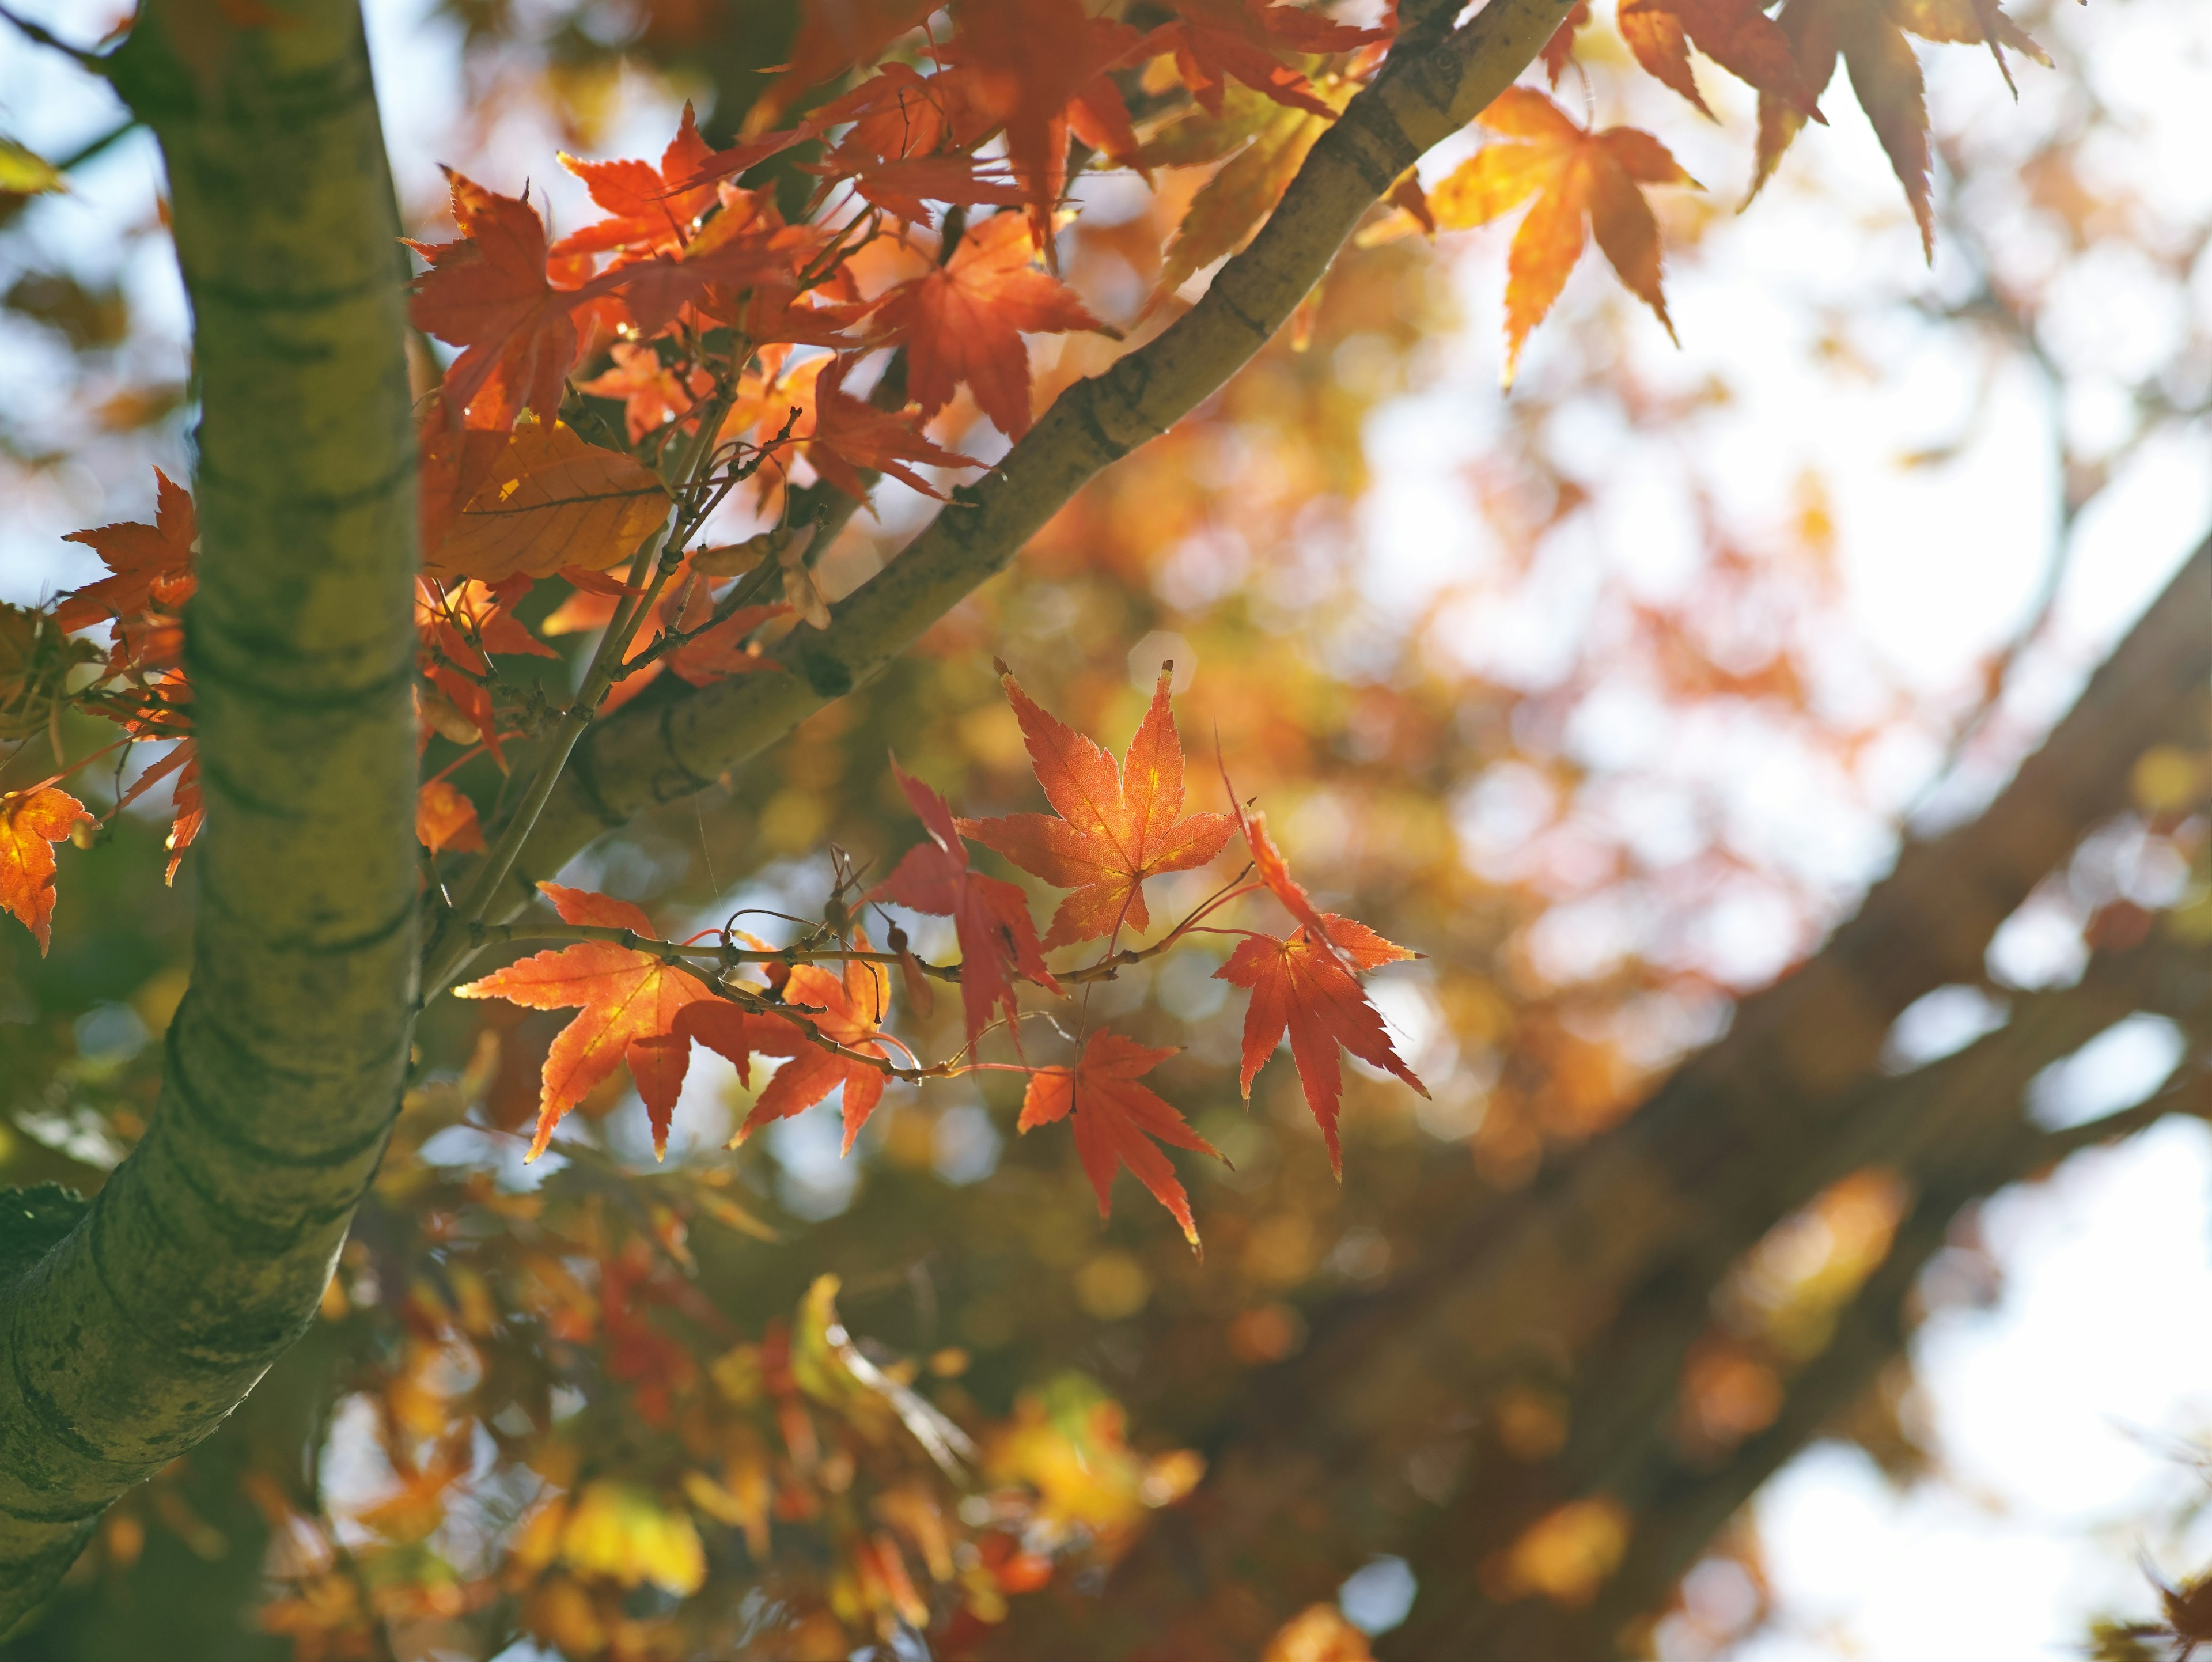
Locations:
{"points": [[204, 1255]]}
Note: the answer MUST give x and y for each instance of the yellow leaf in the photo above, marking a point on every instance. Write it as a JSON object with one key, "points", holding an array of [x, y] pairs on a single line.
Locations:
{"points": [[1318, 1634], [550, 500], [1235, 200], [620, 1532], [24, 171]]}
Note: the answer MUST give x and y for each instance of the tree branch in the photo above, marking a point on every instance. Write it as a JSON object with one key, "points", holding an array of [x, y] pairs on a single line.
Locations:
{"points": [[1312, 1465], [1433, 83], [205, 1254]]}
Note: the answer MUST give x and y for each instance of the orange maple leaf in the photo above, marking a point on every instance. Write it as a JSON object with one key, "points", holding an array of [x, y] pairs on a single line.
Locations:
{"points": [[848, 1009], [490, 294], [1736, 34], [539, 499], [152, 564], [1115, 1119], [472, 619], [1309, 989], [964, 321], [997, 941], [31, 823], [1115, 826], [630, 1001], [446, 818], [652, 395], [1869, 36], [651, 210], [1582, 181], [848, 435]]}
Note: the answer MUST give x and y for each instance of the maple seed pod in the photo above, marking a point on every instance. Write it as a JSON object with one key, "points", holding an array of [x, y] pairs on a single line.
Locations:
{"points": [[35, 660]]}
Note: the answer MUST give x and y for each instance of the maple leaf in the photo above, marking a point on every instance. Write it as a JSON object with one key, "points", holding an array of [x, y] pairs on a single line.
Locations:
{"points": [[651, 210], [745, 248], [1583, 181], [446, 818], [1308, 987], [1560, 48], [1273, 870], [652, 395], [906, 185], [1216, 40], [545, 500], [1026, 57], [848, 434], [997, 941], [1870, 37], [1115, 827], [629, 999], [31, 823], [848, 1009], [832, 38], [472, 619], [964, 321], [1116, 1120], [490, 294], [1230, 206], [1736, 34], [723, 650], [152, 564]]}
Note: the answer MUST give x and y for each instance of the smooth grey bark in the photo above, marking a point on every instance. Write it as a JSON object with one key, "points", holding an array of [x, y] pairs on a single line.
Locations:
{"points": [[204, 1258]]}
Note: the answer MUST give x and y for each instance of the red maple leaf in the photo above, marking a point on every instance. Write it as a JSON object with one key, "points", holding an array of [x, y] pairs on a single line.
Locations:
{"points": [[471, 618], [906, 185], [832, 38], [650, 211], [1115, 826], [850, 435], [1115, 1119], [723, 650], [964, 321], [152, 564], [630, 1001], [31, 823], [1736, 34], [997, 941], [1869, 36], [1274, 871], [490, 294], [1026, 61], [1309, 989], [848, 1009], [1246, 39]]}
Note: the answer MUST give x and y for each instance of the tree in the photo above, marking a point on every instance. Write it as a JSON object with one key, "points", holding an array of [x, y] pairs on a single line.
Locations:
{"points": [[612, 390]]}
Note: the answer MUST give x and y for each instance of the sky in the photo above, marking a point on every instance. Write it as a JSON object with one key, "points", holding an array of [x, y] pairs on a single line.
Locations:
{"points": [[2058, 1405]]}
